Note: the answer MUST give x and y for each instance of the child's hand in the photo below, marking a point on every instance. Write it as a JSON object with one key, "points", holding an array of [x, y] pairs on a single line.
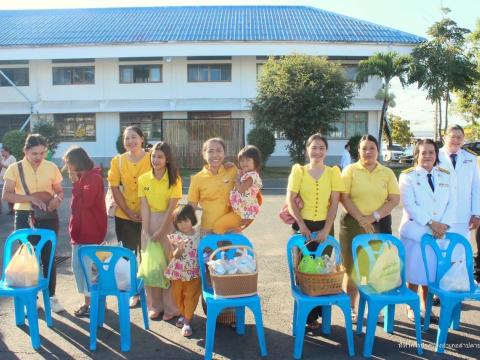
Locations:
{"points": [[180, 248]]}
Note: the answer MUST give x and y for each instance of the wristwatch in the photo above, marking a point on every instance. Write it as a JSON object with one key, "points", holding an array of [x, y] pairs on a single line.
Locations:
{"points": [[376, 215]]}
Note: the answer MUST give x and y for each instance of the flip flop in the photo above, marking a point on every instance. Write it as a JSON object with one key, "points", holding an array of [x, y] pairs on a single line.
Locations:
{"points": [[82, 311], [179, 322], [186, 330]]}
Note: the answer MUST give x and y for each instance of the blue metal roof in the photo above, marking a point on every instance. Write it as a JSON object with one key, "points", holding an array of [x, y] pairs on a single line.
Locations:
{"points": [[189, 23]]}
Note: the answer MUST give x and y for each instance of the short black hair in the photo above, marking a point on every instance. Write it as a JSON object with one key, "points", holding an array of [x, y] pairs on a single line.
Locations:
{"points": [[252, 152], [182, 213]]}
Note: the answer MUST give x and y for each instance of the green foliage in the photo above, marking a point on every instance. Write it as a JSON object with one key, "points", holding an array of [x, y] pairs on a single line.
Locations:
{"points": [[264, 140], [119, 144], [401, 133], [386, 66], [300, 95], [15, 140], [49, 131], [354, 141]]}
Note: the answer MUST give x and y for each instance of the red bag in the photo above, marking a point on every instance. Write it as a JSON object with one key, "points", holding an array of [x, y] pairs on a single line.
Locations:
{"points": [[285, 215]]}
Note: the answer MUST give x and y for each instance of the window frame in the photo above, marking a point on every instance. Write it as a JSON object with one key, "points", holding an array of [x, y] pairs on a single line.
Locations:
{"points": [[61, 127], [84, 68], [344, 121], [209, 67], [128, 118], [6, 70], [133, 66]]}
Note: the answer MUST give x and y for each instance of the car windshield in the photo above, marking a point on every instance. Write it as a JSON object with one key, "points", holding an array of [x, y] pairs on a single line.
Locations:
{"points": [[396, 148]]}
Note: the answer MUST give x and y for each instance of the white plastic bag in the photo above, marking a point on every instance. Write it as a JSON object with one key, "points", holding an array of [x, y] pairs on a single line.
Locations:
{"points": [[456, 278], [122, 274]]}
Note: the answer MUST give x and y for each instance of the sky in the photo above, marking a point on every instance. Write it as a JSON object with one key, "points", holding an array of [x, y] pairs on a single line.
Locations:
{"points": [[413, 16]]}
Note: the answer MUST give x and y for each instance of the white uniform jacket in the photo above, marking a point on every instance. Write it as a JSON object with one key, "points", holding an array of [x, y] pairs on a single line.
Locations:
{"points": [[421, 204], [467, 183]]}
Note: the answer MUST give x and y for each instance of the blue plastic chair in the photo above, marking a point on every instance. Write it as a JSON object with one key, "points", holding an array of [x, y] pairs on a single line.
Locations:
{"points": [[450, 301], [26, 298], [106, 285], [303, 304], [376, 301], [215, 305]]}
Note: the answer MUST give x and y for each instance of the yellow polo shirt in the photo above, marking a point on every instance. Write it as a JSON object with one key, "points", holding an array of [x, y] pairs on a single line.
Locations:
{"points": [[157, 192], [315, 193], [369, 190], [212, 193], [127, 176], [43, 179]]}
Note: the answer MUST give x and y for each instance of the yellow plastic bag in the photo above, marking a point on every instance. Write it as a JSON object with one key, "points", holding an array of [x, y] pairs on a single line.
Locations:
{"points": [[153, 266], [385, 274], [22, 270]]}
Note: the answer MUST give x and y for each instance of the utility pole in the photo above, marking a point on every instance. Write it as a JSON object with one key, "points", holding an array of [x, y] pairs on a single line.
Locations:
{"points": [[435, 122]]}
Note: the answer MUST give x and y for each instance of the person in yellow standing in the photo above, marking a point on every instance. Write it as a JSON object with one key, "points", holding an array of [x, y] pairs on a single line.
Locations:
{"points": [[25, 181], [371, 193], [159, 191], [319, 187], [125, 169]]}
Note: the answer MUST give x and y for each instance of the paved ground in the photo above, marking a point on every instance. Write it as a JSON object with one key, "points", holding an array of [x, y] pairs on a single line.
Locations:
{"points": [[69, 337]]}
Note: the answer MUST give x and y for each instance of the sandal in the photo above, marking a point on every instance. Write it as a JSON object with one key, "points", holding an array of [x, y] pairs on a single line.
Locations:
{"points": [[152, 315], [314, 325], [134, 300], [82, 311], [186, 330], [179, 322]]}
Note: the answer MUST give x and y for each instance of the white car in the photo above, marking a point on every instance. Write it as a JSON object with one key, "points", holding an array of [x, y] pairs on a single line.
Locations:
{"points": [[392, 153]]}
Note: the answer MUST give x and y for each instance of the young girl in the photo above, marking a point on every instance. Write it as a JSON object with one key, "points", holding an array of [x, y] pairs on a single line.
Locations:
{"points": [[243, 197], [183, 269], [88, 221], [159, 191]]}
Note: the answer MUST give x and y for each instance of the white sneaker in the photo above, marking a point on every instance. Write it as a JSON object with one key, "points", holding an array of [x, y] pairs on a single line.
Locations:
{"points": [[55, 305]]}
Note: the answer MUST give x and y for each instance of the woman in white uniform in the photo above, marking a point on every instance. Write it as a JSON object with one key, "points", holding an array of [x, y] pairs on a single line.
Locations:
{"points": [[427, 192]]}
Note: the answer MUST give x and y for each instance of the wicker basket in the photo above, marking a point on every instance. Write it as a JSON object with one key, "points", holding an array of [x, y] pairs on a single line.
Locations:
{"points": [[319, 284], [235, 285]]}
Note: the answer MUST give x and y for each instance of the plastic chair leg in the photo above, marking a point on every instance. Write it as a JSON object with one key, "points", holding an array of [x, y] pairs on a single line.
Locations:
{"points": [[124, 313], [361, 313], [32, 314], [47, 307], [418, 325], [455, 324], [389, 318], [101, 310], [19, 311], [327, 319], [446, 310], [210, 330], [294, 320], [257, 312], [143, 303], [371, 327], [93, 319], [428, 311], [347, 313], [300, 331], [240, 319]]}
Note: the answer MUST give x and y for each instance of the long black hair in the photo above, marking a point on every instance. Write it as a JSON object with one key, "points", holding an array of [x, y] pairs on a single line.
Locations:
{"points": [[172, 169]]}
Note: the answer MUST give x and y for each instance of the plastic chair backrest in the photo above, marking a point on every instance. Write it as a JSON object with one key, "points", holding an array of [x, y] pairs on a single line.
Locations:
{"points": [[22, 235], [444, 256], [363, 241], [106, 281], [211, 242], [298, 241]]}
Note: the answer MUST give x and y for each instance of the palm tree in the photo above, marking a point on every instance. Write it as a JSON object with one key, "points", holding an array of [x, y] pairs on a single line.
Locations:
{"points": [[386, 66]]}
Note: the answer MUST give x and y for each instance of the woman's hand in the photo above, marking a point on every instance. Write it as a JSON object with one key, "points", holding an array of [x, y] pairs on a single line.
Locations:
{"points": [[305, 232], [322, 235], [366, 220], [38, 203], [438, 229], [368, 228], [54, 203], [133, 215]]}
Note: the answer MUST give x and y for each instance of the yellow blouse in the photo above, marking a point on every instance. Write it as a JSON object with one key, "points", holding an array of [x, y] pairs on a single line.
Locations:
{"points": [[315, 193], [157, 192]]}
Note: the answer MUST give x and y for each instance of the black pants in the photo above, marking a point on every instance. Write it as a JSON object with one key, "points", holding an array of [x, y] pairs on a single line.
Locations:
{"points": [[21, 222], [312, 246], [128, 232]]}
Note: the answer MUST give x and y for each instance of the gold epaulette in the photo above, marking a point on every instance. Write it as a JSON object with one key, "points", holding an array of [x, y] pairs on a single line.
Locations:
{"points": [[409, 170], [443, 170]]}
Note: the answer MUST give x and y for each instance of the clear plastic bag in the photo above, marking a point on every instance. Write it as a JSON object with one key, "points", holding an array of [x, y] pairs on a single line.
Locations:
{"points": [[456, 278]]}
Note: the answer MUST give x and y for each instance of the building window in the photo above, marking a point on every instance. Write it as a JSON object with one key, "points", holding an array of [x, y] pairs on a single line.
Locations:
{"points": [[205, 115], [140, 74], [351, 123], [77, 75], [11, 122], [76, 127], [209, 72], [350, 72], [259, 70], [19, 76], [149, 122]]}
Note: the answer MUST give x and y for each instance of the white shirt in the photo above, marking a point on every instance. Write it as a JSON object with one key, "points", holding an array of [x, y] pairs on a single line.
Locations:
{"points": [[9, 161], [346, 159]]}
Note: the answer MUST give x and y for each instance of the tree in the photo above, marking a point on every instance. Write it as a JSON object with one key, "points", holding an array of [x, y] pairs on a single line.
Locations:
{"points": [[441, 65], [386, 66], [15, 141], [49, 131], [300, 95], [264, 140], [401, 133]]}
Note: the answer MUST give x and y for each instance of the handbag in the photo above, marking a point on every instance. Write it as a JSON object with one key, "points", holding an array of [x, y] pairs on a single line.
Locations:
{"points": [[23, 269], [285, 215], [44, 196], [110, 203]]}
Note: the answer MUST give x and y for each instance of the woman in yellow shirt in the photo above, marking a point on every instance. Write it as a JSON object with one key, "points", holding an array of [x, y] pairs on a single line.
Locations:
{"points": [[159, 191], [40, 175], [371, 193], [319, 187]]}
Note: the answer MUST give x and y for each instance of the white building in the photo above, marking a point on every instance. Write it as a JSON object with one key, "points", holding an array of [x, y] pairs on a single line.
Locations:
{"points": [[183, 73]]}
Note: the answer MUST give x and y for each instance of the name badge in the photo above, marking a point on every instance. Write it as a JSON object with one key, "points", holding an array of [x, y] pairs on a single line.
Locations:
{"points": [[467, 161], [443, 185]]}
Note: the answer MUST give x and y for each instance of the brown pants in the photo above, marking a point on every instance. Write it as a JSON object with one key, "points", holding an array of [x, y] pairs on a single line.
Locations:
{"points": [[158, 299], [186, 295]]}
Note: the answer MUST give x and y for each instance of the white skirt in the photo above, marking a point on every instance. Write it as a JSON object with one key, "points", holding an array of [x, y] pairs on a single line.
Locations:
{"points": [[414, 265]]}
